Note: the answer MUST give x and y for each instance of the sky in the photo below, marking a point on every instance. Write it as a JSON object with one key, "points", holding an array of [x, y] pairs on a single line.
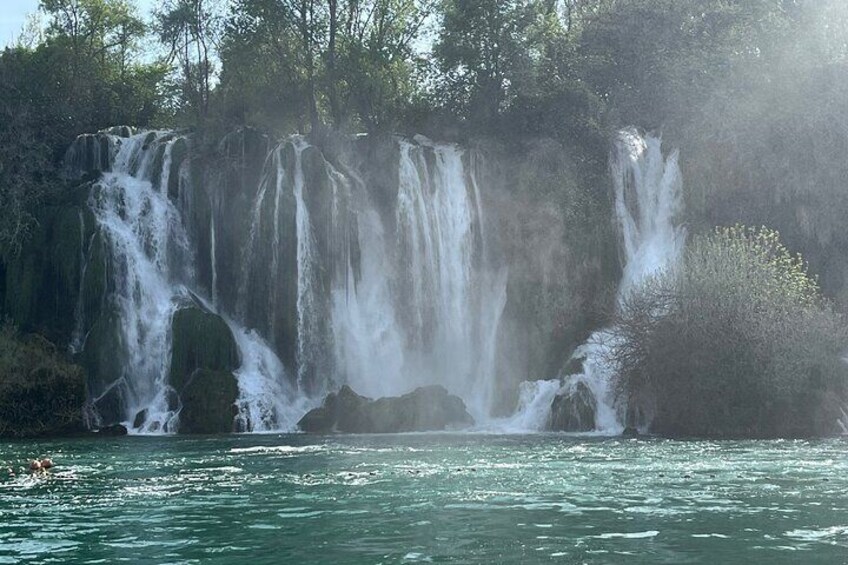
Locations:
{"points": [[13, 14]]}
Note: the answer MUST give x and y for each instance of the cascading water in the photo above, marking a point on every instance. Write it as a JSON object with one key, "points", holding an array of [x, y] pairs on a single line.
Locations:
{"points": [[385, 292], [152, 275], [149, 246], [432, 315], [307, 323], [648, 200]]}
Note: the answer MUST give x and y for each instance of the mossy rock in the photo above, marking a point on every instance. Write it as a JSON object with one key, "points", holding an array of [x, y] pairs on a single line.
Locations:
{"points": [[203, 357], [179, 152], [573, 410], [208, 399], [201, 340], [156, 166], [429, 408], [41, 394], [42, 282]]}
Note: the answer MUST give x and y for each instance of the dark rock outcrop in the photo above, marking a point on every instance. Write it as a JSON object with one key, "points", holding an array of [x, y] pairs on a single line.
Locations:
{"points": [[208, 403], [203, 357], [429, 408], [630, 432], [115, 430], [573, 410]]}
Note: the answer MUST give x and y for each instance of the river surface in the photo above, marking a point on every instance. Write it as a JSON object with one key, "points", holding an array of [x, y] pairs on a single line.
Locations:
{"points": [[463, 498]]}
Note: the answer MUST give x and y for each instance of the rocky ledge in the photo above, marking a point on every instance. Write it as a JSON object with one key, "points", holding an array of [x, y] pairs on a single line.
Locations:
{"points": [[429, 408]]}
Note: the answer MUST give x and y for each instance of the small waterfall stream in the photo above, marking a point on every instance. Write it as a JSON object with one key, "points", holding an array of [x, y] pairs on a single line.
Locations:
{"points": [[150, 250], [647, 190]]}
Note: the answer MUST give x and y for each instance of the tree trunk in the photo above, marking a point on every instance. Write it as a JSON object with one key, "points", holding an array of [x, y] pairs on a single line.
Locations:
{"points": [[331, 65]]}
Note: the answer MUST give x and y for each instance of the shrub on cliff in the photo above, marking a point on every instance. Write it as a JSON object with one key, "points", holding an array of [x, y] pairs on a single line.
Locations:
{"points": [[40, 393], [735, 342]]}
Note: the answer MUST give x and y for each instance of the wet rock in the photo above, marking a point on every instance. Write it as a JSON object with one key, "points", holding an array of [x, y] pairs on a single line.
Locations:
{"points": [[209, 403], [115, 430], [573, 410], [109, 406], [203, 357], [120, 131], [630, 431], [429, 408], [140, 418], [90, 153]]}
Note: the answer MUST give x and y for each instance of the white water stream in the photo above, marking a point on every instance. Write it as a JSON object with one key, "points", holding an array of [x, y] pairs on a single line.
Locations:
{"points": [[648, 202]]}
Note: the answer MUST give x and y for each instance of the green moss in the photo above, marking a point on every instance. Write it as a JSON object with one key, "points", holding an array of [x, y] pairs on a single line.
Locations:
{"points": [[208, 400], [201, 340], [203, 358], [42, 281], [40, 393]]}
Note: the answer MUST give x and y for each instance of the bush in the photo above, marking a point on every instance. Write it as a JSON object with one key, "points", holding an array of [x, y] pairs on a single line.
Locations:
{"points": [[735, 342]]}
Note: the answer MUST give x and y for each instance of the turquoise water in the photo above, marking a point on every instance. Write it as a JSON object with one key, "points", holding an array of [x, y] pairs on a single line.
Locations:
{"points": [[441, 498]]}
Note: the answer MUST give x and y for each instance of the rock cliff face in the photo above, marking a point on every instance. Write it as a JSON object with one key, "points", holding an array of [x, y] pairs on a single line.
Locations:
{"points": [[383, 263]]}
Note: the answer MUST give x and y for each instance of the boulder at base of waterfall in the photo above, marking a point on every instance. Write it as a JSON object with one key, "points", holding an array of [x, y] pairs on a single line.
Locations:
{"points": [[573, 410], [203, 357], [115, 430], [429, 408], [209, 403]]}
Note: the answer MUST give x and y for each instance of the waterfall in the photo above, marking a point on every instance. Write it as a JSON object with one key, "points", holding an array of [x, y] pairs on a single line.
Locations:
{"points": [[346, 282], [426, 309], [647, 188], [152, 274], [648, 201], [307, 331], [147, 240]]}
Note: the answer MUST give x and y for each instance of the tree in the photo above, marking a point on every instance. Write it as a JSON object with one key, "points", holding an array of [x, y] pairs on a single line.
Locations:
{"points": [[376, 52], [81, 76], [657, 61], [25, 156], [483, 51], [92, 51], [346, 63], [191, 31]]}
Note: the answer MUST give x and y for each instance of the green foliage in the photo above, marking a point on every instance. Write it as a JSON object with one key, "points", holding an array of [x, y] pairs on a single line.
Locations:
{"points": [[190, 29], [40, 392], [92, 51], [768, 147], [484, 54], [296, 64], [84, 76], [657, 61], [736, 342]]}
